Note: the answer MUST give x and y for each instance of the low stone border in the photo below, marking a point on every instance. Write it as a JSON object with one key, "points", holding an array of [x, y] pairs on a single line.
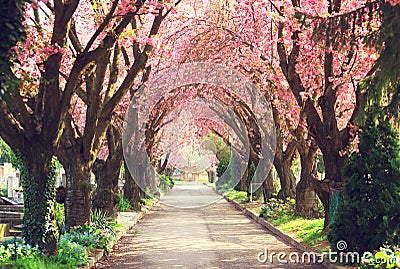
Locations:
{"points": [[288, 239], [130, 220]]}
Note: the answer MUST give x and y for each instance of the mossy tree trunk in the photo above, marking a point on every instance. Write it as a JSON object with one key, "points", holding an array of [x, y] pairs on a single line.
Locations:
{"points": [[77, 161], [38, 182], [306, 198], [31, 123], [132, 192], [287, 179], [268, 187], [106, 195], [78, 203], [283, 160]]}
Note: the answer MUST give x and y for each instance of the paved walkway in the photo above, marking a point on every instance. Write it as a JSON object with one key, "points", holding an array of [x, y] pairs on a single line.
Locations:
{"points": [[193, 227]]}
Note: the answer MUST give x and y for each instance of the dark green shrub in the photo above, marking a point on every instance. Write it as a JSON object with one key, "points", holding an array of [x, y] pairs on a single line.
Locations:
{"points": [[229, 172], [369, 215]]}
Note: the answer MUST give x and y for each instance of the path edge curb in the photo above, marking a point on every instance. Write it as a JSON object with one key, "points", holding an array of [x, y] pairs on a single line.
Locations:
{"points": [[99, 254], [288, 239]]}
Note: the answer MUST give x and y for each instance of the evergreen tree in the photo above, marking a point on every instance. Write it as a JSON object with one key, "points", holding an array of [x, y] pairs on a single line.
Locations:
{"points": [[369, 215]]}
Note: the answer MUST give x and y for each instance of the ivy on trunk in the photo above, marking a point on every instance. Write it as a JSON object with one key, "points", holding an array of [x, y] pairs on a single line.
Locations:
{"points": [[38, 181]]}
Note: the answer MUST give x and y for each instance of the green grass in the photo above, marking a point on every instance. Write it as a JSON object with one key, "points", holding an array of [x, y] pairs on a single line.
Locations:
{"points": [[238, 196], [148, 201], [34, 263], [202, 181], [176, 180], [119, 226], [306, 230], [211, 185]]}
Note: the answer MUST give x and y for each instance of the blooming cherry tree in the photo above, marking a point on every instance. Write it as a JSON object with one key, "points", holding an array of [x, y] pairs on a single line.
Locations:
{"points": [[68, 54]]}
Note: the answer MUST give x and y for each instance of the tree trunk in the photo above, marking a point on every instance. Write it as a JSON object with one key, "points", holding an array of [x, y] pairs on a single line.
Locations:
{"points": [[152, 181], [162, 165], [38, 182], [324, 129], [78, 204], [334, 164], [244, 180], [283, 160], [257, 194], [306, 198], [287, 178], [106, 195], [322, 190], [211, 176], [268, 187], [132, 192]]}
